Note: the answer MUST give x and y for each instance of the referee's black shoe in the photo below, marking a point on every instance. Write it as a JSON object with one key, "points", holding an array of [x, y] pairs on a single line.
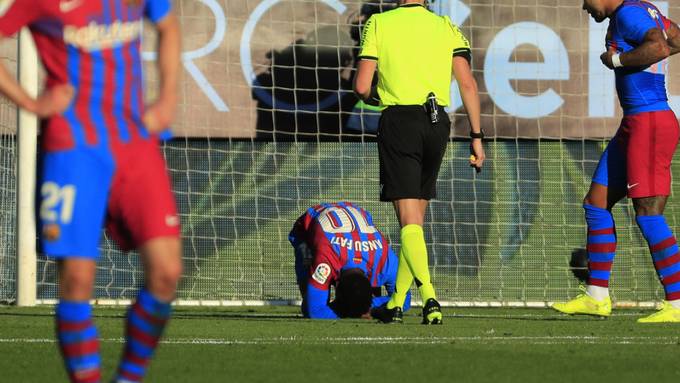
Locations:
{"points": [[385, 315], [432, 312]]}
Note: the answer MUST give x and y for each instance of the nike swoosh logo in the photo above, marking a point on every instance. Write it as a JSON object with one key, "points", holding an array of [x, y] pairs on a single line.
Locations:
{"points": [[633, 185], [171, 220], [66, 6]]}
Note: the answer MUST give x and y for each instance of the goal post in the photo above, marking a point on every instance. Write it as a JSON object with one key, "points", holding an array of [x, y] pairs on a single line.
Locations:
{"points": [[27, 144]]}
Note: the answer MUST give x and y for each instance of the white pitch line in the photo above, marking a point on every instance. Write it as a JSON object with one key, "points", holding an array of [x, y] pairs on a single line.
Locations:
{"points": [[549, 316], [533, 340]]}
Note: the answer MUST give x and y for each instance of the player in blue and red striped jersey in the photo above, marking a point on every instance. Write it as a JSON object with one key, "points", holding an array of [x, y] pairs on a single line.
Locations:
{"points": [[336, 244], [101, 163], [637, 161]]}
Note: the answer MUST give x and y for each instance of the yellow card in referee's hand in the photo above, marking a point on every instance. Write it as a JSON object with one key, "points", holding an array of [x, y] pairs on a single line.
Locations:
{"points": [[473, 158]]}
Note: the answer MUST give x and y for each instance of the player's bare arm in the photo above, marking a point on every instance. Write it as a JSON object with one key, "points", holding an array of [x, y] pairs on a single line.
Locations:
{"points": [[53, 101], [673, 37], [652, 50], [470, 95], [162, 112], [364, 78]]}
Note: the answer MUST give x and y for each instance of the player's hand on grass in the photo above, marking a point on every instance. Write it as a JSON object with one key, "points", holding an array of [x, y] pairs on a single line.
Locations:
{"points": [[477, 155], [367, 316], [54, 100], [159, 115]]}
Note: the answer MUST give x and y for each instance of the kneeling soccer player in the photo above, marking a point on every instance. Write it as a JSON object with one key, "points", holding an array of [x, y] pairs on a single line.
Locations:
{"points": [[337, 245]]}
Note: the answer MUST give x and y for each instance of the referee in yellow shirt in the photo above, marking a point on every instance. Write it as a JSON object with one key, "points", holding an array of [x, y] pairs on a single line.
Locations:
{"points": [[415, 53]]}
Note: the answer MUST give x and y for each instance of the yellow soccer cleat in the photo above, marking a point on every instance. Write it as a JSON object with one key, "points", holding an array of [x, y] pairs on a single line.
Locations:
{"points": [[667, 314], [585, 304]]}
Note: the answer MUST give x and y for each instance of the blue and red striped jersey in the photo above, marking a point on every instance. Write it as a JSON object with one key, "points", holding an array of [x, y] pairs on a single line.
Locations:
{"points": [[639, 89], [94, 46], [342, 236]]}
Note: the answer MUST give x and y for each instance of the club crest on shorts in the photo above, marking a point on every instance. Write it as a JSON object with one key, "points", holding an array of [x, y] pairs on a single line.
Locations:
{"points": [[51, 232], [322, 272]]}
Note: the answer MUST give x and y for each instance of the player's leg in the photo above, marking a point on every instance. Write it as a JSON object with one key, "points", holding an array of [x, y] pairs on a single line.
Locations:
{"points": [[400, 154], [73, 187], [142, 214], [601, 236], [435, 142], [664, 249], [403, 283], [392, 310], [655, 138], [411, 214], [404, 147], [607, 188], [162, 260], [148, 316], [601, 248], [76, 333], [395, 304]]}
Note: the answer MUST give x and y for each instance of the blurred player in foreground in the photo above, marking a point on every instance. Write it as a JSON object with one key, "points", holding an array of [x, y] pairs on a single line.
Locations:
{"points": [[336, 244], [101, 163], [637, 161]]}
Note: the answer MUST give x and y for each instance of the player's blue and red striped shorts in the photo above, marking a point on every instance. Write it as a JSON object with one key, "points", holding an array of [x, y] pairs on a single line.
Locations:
{"points": [[638, 158], [124, 185]]}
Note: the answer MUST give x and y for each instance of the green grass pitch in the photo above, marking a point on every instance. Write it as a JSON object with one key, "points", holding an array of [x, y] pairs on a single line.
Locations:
{"points": [[273, 344]]}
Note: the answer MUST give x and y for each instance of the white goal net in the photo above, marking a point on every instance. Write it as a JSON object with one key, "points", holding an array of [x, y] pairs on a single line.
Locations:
{"points": [[8, 124]]}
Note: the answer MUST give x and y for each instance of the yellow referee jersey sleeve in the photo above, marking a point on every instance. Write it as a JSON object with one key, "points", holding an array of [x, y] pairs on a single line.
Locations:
{"points": [[369, 48], [459, 41]]}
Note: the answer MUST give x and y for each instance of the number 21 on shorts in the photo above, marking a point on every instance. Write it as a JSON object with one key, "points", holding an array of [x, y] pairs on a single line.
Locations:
{"points": [[57, 202]]}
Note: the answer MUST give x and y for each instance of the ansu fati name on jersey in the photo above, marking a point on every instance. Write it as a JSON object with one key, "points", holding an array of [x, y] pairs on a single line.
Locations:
{"points": [[350, 244]]}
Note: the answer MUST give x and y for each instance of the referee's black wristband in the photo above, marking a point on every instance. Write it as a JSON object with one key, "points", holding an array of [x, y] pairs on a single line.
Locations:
{"points": [[477, 135], [373, 98]]}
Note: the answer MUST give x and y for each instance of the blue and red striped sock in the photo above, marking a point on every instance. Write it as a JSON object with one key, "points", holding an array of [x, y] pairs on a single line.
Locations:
{"points": [[78, 341], [145, 323], [601, 246], [665, 253]]}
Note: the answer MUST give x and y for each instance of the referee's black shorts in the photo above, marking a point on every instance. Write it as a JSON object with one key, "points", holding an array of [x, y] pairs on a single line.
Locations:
{"points": [[410, 150]]}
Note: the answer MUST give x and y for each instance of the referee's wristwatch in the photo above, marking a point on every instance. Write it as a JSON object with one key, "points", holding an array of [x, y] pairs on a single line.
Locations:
{"points": [[477, 135]]}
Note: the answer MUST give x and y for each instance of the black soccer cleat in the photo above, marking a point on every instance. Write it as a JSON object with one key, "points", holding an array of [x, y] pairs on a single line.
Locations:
{"points": [[385, 315], [432, 312]]}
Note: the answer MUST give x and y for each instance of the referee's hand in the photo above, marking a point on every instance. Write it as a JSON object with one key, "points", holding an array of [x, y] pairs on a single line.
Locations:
{"points": [[477, 155]]}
